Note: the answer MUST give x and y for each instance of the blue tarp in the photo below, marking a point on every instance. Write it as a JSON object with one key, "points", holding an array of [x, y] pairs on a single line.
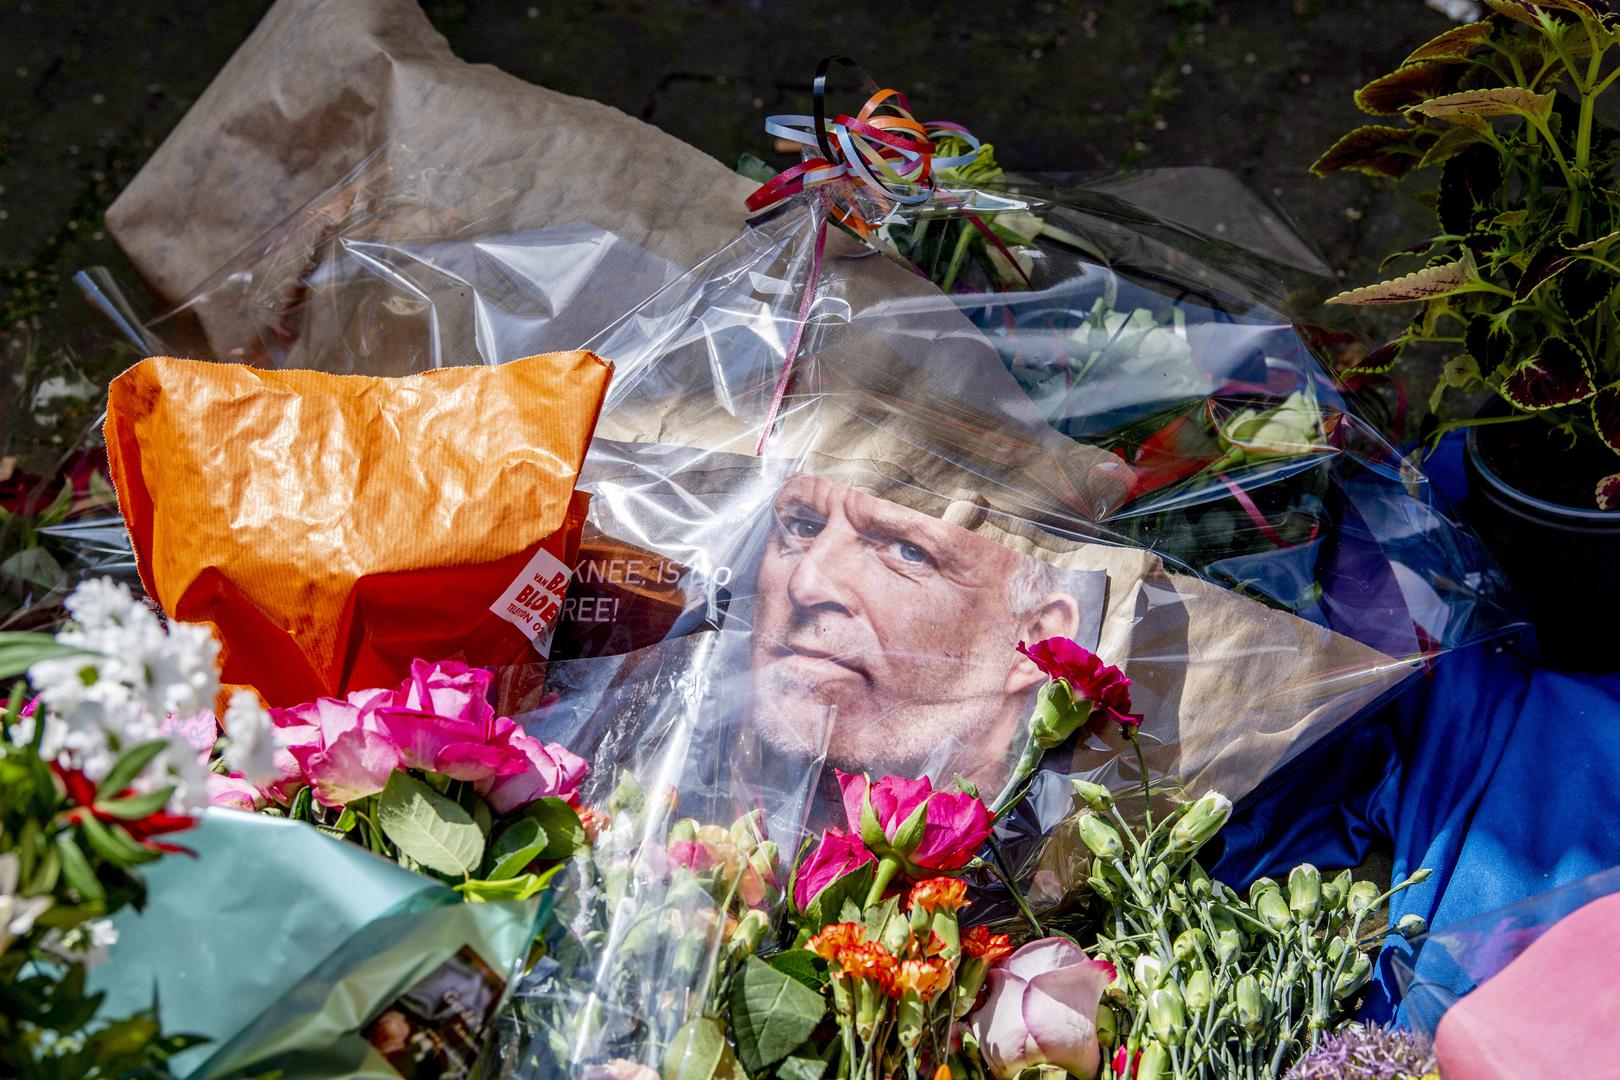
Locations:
{"points": [[1499, 775]]}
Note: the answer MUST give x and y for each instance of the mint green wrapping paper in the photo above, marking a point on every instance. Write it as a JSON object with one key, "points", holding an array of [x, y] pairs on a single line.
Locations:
{"points": [[280, 945]]}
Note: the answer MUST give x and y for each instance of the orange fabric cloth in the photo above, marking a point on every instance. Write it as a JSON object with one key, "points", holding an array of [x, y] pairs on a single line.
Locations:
{"points": [[332, 528]]}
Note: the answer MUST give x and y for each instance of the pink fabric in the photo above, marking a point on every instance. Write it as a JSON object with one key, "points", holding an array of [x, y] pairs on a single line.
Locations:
{"points": [[1554, 1011]]}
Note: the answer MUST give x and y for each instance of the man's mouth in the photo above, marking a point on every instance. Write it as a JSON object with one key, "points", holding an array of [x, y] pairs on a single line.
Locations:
{"points": [[817, 657]]}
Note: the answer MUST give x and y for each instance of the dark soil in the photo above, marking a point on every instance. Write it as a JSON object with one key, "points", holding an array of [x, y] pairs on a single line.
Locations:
{"points": [[1538, 460]]}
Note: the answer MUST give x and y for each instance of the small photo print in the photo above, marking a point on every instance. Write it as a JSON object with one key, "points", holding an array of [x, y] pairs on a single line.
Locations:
{"points": [[433, 1030]]}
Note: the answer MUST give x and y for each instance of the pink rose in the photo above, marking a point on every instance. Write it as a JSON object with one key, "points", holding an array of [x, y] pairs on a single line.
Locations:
{"points": [[233, 792], [952, 828], [548, 771], [1089, 679], [837, 855], [441, 722], [339, 747], [1041, 1009]]}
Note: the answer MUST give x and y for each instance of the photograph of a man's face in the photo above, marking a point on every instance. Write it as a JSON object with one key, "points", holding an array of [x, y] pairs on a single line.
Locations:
{"points": [[901, 629]]}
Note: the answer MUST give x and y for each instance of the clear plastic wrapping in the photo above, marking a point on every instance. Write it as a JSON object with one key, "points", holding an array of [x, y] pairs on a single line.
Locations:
{"points": [[1543, 964], [829, 498]]}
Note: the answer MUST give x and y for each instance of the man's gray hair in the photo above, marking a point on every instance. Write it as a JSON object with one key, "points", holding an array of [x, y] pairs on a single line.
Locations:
{"points": [[1031, 583]]}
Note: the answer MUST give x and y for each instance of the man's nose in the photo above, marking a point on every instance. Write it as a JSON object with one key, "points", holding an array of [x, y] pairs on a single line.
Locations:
{"points": [[820, 577]]}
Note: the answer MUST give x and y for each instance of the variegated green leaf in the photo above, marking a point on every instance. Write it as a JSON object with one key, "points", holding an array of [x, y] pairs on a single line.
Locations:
{"points": [[1425, 284]]}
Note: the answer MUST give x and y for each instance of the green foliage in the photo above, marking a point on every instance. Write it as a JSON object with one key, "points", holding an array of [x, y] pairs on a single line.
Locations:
{"points": [[429, 828], [772, 1013], [70, 869], [1517, 283]]}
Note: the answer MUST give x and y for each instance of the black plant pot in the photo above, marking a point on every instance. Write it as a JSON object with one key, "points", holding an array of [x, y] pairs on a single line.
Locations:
{"points": [[1563, 561]]}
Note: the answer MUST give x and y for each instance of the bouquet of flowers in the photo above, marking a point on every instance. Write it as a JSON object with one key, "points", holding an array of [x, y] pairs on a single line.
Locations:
{"points": [[94, 783]]}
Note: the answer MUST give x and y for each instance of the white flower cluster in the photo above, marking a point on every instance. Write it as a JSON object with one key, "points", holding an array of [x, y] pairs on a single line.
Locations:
{"points": [[133, 678]]}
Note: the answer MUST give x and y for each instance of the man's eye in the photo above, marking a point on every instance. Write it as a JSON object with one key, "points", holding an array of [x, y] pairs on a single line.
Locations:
{"points": [[803, 528], [913, 554]]}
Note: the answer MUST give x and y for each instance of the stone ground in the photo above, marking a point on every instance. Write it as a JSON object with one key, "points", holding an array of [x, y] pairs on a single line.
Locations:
{"points": [[1257, 86]]}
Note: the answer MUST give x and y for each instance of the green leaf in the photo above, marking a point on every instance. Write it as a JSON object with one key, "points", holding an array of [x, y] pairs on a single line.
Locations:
{"points": [[1425, 284], [114, 844], [772, 1013], [429, 827], [1458, 43], [36, 567], [1481, 104], [1402, 88], [801, 1068], [802, 965], [828, 905], [1377, 150], [1583, 288], [20, 651], [520, 887], [514, 848], [564, 833], [128, 767], [699, 1051], [135, 807], [1451, 143], [300, 808], [76, 869]]}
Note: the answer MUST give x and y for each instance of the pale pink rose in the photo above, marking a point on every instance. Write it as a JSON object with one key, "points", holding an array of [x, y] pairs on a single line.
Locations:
{"points": [[1041, 1009], [550, 771], [234, 792]]}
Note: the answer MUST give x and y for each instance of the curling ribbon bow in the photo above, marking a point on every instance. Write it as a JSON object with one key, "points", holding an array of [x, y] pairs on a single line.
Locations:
{"points": [[884, 156]]}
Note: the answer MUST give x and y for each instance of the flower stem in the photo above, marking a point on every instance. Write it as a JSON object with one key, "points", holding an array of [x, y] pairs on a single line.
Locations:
{"points": [[887, 867], [1027, 761], [1147, 780], [1005, 874]]}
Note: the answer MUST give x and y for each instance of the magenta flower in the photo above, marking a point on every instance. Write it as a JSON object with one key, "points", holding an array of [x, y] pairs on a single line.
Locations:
{"points": [[1089, 679], [441, 721], [1041, 1009], [926, 830], [838, 855], [339, 747], [549, 771]]}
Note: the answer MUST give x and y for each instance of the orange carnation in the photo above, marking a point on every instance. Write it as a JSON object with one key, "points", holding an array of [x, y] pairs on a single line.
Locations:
{"points": [[981, 943], [869, 960], [835, 938], [940, 894], [925, 977]]}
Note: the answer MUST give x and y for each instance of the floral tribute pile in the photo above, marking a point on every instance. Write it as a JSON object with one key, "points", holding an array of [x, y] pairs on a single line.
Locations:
{"points": [[708, 952]]}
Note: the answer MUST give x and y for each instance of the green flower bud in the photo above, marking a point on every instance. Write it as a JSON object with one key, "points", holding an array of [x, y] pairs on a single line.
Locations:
{"points": [[1250, 1005], [1200, 991], [1360, 898], [1352, 978], [747, 832], [1057, 715], [749, 933], [1107, 1027], [1147, 971], [1166, 1013], [1260, 886], [1100, 837], [684, 830], [1305, 891], [627, 795], [1154, 1063], [1335, 891], [1336, 949], [1410, 926], [1272, 911], [1189, 945], [1200, 823], [1417, 877], [1228, 939], [1093, 796], [1099, 881], [1159, 877], [1198, 882]]}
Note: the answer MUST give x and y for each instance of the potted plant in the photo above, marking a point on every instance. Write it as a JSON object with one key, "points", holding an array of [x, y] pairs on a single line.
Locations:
{"points": [[1517, 287]]}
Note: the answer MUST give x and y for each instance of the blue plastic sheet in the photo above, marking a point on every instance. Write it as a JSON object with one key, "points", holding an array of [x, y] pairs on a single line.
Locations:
{"points": [[1496, 773]]}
